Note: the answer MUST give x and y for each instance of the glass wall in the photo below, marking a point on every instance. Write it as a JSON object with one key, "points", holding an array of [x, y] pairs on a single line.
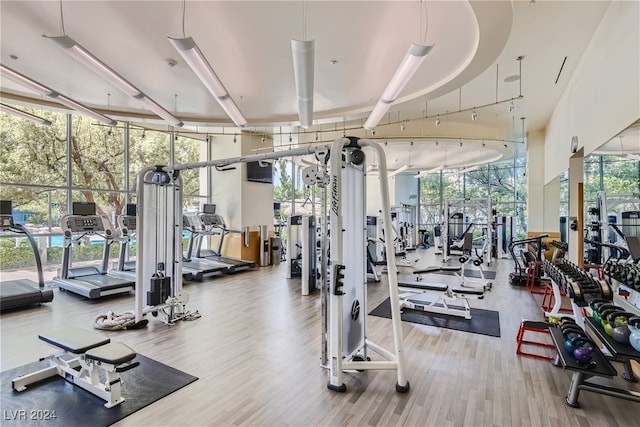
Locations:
{"points": [[44, 168], [505, 182]]}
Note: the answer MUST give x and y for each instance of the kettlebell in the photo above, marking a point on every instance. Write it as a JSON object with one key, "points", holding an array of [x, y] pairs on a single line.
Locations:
{"points": [[621, 331], [597, 315], [583, 350], [634, 328], [604, 317]]}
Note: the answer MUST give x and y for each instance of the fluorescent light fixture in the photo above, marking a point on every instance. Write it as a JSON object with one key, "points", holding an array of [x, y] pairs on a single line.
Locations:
{"points": [[398, 171], [87, 59], [303, 68], [44, 90], [193, 56], [407, 68], [470, 169], [25, 81], [161, 112], [23, 114], [428, 171]]}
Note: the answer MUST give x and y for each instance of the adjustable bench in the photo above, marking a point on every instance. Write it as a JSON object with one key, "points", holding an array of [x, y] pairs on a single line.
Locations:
{"points": [[94, 355], [442, 303]]}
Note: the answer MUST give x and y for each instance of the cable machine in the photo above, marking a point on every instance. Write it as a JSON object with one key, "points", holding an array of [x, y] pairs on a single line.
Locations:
{"points": [[457, 224], [348, 344]]}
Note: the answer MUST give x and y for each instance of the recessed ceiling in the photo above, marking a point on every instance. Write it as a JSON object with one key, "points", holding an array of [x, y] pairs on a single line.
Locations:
{"points": [[248, 44]]}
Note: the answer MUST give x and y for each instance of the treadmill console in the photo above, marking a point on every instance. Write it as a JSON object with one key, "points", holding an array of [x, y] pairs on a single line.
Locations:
{"points": [[6, 222], [89, 223], [211, 220], [128, 222]]}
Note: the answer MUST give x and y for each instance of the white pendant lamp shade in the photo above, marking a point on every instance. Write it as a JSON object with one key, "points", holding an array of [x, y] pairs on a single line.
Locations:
{"points": [[303, 53]]}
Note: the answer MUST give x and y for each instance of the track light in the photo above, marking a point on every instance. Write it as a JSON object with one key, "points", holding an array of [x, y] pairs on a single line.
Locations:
{"points": [[438, 120], [407, 68], [193, 56], [90, 61], [234, 138], [474, 115], [44, 90], [290, 138], [303, 70], [23, 114], [144, 134], [403, 127], [317, 136], [511, 107]]}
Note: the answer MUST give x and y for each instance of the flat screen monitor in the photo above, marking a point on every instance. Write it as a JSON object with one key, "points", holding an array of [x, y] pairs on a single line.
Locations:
{"points": [[276, 206], [209, 208], [5, 207], [132, 209], [83, 208], [260, 172]]}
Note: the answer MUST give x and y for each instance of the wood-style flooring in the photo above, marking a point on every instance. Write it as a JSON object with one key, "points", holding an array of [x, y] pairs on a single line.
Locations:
{"points": [[256, 351]]}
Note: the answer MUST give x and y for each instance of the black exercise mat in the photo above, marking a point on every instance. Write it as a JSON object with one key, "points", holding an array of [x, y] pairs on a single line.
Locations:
{"points": [[474, 274], [484, 322], [73, 406]]}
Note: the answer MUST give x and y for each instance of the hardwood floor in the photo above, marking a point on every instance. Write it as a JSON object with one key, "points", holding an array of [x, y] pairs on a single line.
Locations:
{"points": [[256, 351]]}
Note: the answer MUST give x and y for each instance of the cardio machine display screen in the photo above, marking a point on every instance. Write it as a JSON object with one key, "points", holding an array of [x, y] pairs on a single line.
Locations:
{"points": [[5, 207]]}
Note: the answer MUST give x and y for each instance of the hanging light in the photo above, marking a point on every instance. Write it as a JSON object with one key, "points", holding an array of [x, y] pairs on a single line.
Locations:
{"points": [[23, 114], [438, 120], [195, 59], [474, 115], [403, 127], [90, 61], [407, 68], [511, 107]]}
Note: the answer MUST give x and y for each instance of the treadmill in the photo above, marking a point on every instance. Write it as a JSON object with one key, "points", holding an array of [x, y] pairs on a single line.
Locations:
{"points": [[212, 224], [90, 282], [21, 293], [198, 268], [127, 225]]}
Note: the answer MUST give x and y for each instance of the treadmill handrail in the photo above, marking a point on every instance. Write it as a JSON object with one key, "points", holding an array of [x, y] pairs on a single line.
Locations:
{"points": [[32, 242]]}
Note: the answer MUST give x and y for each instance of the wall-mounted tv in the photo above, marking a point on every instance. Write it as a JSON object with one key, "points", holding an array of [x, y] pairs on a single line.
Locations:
{"points": [[260, 172]]}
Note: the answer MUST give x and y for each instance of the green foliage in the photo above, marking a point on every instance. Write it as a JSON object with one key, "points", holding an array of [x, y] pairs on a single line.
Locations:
{"points": [[283, 190], [35, 154]]}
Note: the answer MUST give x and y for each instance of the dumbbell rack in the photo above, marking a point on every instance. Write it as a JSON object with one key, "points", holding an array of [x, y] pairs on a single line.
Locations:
{"points": [[581, 374], [625, 279], [578, 284]]}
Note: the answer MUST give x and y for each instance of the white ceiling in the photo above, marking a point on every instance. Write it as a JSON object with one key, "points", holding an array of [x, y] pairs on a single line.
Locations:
{"points": [[248, 44]]}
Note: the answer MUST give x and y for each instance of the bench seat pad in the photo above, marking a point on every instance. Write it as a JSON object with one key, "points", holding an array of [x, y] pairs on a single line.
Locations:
{"points": [[114, 353], [73, 340]]}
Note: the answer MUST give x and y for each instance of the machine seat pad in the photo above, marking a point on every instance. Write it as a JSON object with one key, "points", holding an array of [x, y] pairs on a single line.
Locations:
{"points": [[424, 286], [468, 291], [401, 254], [450, 268], [410, 249], [431, 269], [73, 340], [114, 353]]}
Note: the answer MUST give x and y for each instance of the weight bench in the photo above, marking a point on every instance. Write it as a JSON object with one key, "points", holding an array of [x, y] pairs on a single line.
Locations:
{"points": [[442, 303], [435, 269], [94, 355]]}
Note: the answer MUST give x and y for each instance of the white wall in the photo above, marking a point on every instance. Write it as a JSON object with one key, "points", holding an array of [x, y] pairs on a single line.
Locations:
{"points": [[603, 95], [240, 202], [551, 209], [535, 181]]}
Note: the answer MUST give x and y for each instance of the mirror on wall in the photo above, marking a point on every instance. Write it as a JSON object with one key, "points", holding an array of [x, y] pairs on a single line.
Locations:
{"points": [[612, 193]]}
